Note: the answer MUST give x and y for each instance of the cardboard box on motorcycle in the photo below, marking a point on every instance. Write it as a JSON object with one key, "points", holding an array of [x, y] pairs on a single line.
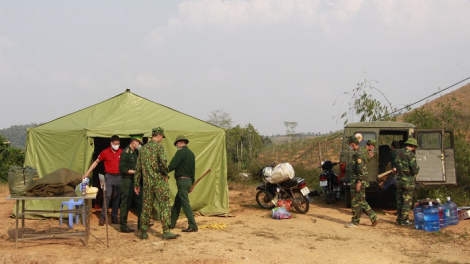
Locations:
{"points": [[435, 155]]}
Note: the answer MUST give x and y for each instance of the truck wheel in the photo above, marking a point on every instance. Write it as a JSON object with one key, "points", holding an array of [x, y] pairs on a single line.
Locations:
{"points": [[347, 195]]}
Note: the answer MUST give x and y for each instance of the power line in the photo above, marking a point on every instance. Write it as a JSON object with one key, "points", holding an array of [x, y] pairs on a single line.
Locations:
{"points": [[425, 98]]}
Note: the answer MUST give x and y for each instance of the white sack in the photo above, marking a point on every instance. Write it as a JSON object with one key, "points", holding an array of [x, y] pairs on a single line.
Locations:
{"points": [[282, 172]]}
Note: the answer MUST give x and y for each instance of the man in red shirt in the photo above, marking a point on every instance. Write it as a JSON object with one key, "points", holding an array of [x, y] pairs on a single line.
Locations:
{"points": [[111, 157]]}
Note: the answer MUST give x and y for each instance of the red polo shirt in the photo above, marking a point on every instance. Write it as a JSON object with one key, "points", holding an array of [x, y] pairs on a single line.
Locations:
{"points": [[111, 160]]}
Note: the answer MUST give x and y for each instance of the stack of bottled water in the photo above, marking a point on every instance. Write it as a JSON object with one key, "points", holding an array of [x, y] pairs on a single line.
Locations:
{"points": [[435, 216]]}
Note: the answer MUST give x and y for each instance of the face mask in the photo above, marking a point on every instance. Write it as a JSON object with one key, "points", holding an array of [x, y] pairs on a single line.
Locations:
{"points": [[350, 148], [138, 146], [115, 147]]}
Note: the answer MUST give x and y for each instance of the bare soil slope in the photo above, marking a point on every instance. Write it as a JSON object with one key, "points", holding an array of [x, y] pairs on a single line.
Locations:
{"points": [[250, 236]]}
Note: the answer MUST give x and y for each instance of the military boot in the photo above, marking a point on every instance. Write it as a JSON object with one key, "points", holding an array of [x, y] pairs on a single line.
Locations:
{"points": [[144, 234], [169, 235]]}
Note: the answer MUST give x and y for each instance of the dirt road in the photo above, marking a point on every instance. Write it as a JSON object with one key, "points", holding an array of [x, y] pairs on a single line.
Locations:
{"points": [[250, 236]]}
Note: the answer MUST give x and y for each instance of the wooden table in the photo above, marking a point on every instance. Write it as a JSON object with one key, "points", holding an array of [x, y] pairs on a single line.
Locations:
{"points": [[86, 210]]}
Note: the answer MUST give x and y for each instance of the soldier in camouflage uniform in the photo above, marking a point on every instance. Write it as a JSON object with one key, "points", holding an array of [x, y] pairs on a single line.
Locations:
{"points": [[406, 168], [369, 149], [359, 184], [152, 166]]}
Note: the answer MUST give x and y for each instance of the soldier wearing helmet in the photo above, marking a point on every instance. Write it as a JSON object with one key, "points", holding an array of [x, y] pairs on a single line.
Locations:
{"points": [[406, 168], [358, 186]]}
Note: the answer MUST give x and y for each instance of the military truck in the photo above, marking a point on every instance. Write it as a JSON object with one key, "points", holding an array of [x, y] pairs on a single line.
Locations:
{"points": [[435, 155]]}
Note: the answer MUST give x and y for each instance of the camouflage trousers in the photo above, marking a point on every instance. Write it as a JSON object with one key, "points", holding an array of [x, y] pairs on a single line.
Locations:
{"points": [[359, 205], [159, 191], [404, 201]]}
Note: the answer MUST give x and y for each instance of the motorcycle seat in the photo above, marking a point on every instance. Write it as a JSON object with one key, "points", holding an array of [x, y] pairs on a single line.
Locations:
{"points": [[290, 183]]}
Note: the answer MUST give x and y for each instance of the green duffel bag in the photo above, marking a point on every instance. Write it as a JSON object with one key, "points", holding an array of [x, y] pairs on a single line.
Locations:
{"points": [[19, 179]]}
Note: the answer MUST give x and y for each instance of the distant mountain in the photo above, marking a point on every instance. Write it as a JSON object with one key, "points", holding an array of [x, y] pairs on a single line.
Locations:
{"points": [[17, 134]]}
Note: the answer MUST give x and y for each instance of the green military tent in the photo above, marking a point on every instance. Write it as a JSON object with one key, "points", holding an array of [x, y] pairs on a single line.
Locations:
{"points": [[74, 140]]}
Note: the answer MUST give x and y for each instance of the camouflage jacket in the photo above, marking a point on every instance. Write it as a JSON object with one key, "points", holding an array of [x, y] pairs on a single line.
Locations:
{"points": [[366, 153], [359, 168], [406, 164], [151, 163]]}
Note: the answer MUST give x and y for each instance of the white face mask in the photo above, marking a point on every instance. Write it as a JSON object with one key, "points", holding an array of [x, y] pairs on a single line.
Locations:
{"points": [[138, 146], [115, 147]]}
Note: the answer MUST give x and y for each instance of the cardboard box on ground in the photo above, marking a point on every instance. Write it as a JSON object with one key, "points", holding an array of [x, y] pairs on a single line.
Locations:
{"points": [[464, 213]]}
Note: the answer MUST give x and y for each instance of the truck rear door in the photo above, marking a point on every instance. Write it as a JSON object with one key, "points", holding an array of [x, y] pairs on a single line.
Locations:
{"points": [[435, 157]]}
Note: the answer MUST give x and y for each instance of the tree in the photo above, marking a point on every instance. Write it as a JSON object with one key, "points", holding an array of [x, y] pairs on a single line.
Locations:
{"points": [[244, 145], [290, 128], [9, 156], [367, 107], [221, 119]]}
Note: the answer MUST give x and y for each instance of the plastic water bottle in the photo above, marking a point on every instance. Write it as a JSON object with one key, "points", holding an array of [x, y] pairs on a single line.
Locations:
{"points": [[84, 184], [453, 217], [419, 217], [442, 213], [431, 219]]}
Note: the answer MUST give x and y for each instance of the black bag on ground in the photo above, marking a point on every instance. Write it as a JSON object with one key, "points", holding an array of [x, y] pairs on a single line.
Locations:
{"points": [[19, 179]]}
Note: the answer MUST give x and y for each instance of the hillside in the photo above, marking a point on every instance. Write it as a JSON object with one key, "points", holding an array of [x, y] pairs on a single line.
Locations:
{"points": [[17, 134], [461, 103]]}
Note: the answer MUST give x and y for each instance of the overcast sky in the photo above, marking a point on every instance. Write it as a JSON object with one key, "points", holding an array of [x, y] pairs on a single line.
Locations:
{"points": [[261, 61]]}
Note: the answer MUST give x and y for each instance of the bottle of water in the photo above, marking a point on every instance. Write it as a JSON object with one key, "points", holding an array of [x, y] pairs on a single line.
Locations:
{"points": [[453, 217], [418, 213], [442, 213], [431, 219], [83, 187]]}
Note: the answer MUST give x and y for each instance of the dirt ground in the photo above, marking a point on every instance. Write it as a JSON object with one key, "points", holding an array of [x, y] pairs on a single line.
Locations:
{"points": [[249, 236]]}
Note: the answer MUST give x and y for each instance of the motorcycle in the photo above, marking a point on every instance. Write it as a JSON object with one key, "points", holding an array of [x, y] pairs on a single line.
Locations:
{"points": [[329, 182], [294, 189]]}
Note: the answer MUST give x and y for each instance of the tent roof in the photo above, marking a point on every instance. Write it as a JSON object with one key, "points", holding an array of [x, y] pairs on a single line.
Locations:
{"points": [[125, 114]]}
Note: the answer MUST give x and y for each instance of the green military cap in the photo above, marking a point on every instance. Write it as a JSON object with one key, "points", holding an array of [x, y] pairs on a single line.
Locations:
{"points": [[181, 138], [353, 139], [138, 137], [157, 131], [412, 142], [371, 142]]}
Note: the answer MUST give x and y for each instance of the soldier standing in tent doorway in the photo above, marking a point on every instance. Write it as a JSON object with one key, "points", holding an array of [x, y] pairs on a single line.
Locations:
{"points": [[111, 157], [184, 165], [406, 168], [127, 170], [152, 166], [358, 186]]}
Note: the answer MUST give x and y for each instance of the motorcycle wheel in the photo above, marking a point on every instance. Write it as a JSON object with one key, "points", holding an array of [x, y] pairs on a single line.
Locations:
{"points": [[300, 202], [262, 198], [328, 194], [329, 198]]}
